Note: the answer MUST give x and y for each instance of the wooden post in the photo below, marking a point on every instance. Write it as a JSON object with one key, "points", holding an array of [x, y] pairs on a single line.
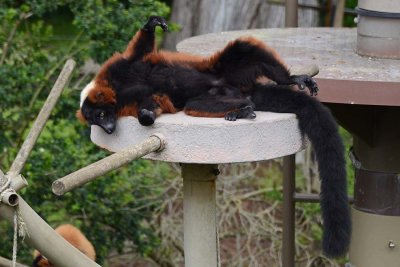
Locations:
{"points": [[288, 240], [291, 13], [200, 224]]}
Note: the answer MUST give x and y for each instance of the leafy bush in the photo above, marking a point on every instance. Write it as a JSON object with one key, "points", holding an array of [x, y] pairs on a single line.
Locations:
{"points": [[112, 210]]}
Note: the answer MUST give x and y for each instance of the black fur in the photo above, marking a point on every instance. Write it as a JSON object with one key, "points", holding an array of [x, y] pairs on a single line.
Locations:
{"points": [[225, 87], [318, 124], [35, 262], [104, 115], [239, 65]]}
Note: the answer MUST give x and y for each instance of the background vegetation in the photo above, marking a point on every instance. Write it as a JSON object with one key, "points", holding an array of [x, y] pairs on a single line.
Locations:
{"points": [[112, 210], [136, 209]]}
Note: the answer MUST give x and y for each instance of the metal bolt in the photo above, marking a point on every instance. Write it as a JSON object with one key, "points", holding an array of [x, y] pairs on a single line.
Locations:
{"points": [[391, 244]]}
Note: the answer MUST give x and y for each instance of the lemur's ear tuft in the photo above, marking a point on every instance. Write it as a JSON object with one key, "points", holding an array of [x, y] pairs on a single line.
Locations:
{"points": [[100, 97]]}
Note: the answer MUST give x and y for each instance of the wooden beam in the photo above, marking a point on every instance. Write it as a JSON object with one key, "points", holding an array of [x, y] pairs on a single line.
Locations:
{"points": [[42, 237], [101, 167], [18, 181], [7, 263]]}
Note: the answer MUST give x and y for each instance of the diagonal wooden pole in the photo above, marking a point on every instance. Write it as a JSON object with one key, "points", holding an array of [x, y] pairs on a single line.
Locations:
{"points": [[7, 263], [101, 167], [42, 237], [17, 181]]}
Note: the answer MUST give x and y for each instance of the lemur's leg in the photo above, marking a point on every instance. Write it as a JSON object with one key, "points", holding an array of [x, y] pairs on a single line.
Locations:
{"points": [[229, 107], [152, 107], [244, 60], [144, 40], [148, 110]]}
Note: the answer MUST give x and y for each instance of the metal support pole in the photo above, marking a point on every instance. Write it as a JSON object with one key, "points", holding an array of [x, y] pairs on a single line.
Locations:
{"points": [[200, 224], [291, 15], [288, 240]]}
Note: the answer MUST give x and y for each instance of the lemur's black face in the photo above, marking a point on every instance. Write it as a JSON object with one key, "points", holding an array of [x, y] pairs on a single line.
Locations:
{"points": [[103, 115]]}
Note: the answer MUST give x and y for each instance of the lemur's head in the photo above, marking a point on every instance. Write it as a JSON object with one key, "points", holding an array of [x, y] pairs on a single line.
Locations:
{"points": [[98, 98], [98, 106]]}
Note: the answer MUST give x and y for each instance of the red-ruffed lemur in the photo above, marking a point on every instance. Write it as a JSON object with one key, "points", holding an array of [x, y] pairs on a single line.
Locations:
{"points": [[145, 83], [74, 237]]}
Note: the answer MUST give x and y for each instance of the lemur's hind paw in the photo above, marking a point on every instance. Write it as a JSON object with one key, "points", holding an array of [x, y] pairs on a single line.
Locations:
{"points": [[246, 112], [304, 81], [155, 21], [146, 117]]}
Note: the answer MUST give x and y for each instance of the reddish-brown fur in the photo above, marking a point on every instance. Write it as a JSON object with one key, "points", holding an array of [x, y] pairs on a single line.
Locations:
{"points": [[165, 104], [196, 113], [80, 116], [130, 110], [76, 238], [104, 93]]}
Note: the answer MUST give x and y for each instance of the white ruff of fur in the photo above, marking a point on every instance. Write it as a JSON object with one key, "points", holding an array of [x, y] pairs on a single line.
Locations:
{"points": [[85, 92]]}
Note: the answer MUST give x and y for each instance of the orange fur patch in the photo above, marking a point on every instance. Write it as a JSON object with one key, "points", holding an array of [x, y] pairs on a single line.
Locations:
{"points": [[76, 238], [196, 113], [80, 117], [172, 58], [102, 95], [165, 103], [130, 110]]}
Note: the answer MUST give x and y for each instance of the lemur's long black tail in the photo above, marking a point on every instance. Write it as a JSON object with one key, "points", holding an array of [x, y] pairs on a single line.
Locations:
{"points": [[317, 122]]}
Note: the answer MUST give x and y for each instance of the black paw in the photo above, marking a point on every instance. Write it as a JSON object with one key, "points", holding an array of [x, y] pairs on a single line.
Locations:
{"points": [[146, 117], [304, 81], [246, 112], [155, 21]]}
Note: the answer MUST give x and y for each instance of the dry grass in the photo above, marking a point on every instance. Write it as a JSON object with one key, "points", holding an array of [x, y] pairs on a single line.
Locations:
{"points": [[249, 214]]}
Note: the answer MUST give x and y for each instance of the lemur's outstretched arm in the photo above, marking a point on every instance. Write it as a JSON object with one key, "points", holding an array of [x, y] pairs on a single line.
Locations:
{"points": [[143, 42]]}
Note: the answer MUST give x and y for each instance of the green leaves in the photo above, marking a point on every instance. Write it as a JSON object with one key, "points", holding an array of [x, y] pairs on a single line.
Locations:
{"points": [[111, 24], [115, 208]]}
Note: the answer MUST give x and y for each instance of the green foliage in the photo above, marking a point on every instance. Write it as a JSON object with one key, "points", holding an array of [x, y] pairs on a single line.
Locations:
{"points": [[348, 20], [110, 24], [115, 208]]}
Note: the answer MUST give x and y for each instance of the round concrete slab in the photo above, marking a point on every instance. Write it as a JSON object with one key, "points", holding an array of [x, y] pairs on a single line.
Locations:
{"points": [[209, 140]]}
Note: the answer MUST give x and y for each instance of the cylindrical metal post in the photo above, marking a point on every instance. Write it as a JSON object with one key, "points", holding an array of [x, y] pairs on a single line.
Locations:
{"points": [[200, 224], [288, 241], [291, 15]]}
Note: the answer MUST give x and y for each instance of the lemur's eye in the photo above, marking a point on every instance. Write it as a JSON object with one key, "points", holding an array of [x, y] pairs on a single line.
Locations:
{"points": [[101, 115]]}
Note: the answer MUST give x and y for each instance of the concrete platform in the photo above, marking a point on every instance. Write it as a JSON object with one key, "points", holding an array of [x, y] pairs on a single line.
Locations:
{"points": [[209, 140]]}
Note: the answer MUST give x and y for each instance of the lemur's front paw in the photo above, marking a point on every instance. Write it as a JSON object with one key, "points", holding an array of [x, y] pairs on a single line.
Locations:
{"points": [[146, 117], [246, 112], [155, 21], [304, 81]]}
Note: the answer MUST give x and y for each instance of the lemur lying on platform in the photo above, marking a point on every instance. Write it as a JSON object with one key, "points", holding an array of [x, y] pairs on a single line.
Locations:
{"points": [[144, 82]]}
